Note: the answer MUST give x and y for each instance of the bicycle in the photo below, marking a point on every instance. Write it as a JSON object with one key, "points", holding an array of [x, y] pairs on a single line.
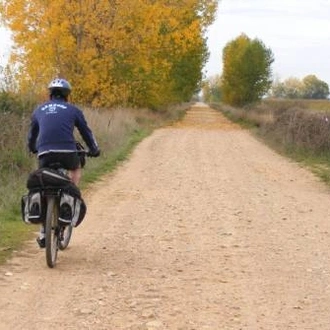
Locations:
{"points": [[58, 207], [58, 231]]}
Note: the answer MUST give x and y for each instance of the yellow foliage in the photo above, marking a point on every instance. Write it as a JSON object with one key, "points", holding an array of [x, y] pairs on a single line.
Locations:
{"points": [[111, 51]]}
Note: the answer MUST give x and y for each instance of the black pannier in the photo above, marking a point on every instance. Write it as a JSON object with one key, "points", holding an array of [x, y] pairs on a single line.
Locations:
{"points": [[47, 177], [33, 207], [72, 206], [72, 209]]}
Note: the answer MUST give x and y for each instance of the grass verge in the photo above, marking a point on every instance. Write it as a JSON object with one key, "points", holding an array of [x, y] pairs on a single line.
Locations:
{"points": [[110, 162], [319, 164]]}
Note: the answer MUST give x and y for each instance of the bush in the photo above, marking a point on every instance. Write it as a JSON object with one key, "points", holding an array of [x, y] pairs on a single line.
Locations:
{"points": [[299, 128], [290, 124], [13, 103]]}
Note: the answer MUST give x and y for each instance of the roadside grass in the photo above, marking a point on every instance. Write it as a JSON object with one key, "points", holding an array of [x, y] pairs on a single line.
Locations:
{"points": [[14, 233], [110, 162], [318, 163], [297, 129], [117, 131], [320, 166]]}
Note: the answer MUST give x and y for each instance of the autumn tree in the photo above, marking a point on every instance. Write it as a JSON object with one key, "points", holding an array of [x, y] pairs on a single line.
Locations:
{"points": [[246, 70], [137, 52], [310, 87], [315, 88], [212, 89], [291, 88]]}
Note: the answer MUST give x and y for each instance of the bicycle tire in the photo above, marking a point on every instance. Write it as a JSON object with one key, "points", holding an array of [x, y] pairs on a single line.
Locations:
{"points": [[51, 231], [65, 237]]}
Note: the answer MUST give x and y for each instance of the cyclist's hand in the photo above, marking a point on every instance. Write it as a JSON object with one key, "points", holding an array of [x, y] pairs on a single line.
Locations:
{"points": [[94, 153]]}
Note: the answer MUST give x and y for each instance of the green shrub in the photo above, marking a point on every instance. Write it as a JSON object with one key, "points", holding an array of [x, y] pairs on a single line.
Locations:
{"points": [[14, 103]]}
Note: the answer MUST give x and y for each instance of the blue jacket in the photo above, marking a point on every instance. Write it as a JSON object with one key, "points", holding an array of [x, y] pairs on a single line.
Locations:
{"points": [[52, 127]]}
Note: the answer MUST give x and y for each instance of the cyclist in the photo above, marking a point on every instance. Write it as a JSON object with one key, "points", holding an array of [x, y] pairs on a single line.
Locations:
{"points": [[51, 134]]}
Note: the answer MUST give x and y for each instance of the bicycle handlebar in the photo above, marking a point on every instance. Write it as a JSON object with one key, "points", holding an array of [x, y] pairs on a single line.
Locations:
{"points": [[87, 153], [81, 150]]}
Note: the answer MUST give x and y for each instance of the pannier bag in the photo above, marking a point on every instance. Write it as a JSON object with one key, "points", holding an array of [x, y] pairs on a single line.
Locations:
{"points": [[33, 208], [72, 206], [72, 209], [47, 177]]}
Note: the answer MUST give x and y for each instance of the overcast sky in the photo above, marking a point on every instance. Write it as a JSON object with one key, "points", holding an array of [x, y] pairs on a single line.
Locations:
{"points": [[4, 45], [297, 31]]}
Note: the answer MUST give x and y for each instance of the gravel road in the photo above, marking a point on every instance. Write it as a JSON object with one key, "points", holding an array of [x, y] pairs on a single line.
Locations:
{"points": [[204, 227]]}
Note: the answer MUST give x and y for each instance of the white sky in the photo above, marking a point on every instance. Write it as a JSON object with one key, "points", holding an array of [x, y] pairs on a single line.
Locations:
{"points": [[4, 45], [297, 32]]}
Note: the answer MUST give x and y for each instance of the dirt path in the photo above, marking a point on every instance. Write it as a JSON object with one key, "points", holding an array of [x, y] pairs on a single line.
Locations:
{"points": [[203, 228]]}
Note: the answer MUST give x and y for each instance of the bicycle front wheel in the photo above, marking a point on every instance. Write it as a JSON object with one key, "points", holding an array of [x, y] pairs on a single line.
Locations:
{"points": [[51, 229]]}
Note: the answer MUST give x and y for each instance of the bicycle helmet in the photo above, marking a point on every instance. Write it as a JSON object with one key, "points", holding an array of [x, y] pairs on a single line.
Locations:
{"points": [[59, 88]]}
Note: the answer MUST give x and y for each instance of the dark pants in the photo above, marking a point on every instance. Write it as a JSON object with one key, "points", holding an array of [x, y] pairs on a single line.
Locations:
{"points": [[67, 160]]}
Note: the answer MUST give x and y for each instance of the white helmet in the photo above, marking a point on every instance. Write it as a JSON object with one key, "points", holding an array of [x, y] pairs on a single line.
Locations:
{"points": [[60, 87]]}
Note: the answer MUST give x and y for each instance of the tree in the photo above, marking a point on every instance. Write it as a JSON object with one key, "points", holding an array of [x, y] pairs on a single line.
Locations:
{"points": [[277, 89], [293, 88], [136, 52], [246, 70], [212, 89], [315, 88]]}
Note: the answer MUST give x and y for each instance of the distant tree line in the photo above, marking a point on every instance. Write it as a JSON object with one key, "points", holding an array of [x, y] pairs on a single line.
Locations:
{"points": [[247, 77], [309, 87]]}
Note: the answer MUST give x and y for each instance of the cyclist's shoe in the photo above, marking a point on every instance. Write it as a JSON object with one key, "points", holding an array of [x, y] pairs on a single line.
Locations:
{"points": [[41, 242]]}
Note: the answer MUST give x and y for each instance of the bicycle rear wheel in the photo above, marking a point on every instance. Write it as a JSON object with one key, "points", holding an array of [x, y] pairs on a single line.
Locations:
{"points": [[65, 236], [51, 230]]}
